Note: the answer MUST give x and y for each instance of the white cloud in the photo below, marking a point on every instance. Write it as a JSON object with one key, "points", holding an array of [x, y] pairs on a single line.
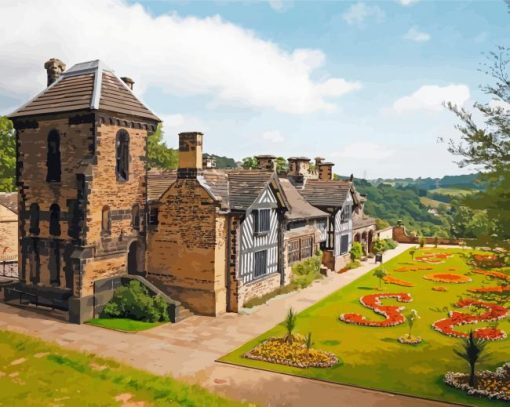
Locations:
{"points": [[364, 151], [359, 12], [432, 97], [416, 35], [174, 124], [495, 103], [407, 2], [273, 136], [178, 55], [280, 5]]}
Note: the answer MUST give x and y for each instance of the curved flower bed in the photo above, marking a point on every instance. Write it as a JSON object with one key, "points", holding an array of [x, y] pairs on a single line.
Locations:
{"points": [[495, 274], [496, 289], [494, 313], [397, 281], [447, 278], [412, 268], [409, 340], [278, 350], [392, 313], [434, 258], [486, 260], [493, 385], [439, 288]]}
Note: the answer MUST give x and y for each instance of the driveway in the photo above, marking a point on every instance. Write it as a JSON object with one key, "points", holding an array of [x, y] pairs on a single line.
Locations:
{"points": [[188, 350]]}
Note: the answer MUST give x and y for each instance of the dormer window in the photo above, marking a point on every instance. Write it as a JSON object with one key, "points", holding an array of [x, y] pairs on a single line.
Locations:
{"points": [[53, 157], [262, 220], [122, 155]]}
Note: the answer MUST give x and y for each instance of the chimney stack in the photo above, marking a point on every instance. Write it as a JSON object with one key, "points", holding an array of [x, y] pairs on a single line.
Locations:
{"points": [[128, 81], [318, 161], [299, 166], [54, 68], [266, 162], [326, 171], [190, 155]]}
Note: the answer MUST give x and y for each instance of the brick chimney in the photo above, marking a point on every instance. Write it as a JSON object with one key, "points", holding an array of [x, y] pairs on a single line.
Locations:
{"points": [[190, 155], [318, 161], [54, 68], [266, 162], [299, 166], [128, 81], [325, 171]]}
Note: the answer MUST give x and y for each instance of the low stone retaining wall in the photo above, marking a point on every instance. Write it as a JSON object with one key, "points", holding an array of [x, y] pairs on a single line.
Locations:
{"points": [[400, 235]]}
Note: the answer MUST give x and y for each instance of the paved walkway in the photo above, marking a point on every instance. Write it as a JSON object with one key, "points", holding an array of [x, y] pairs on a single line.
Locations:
{"points": [[188, 350]]}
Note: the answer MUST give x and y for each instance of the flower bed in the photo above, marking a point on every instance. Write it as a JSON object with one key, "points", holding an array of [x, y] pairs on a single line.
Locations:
{"points": [[486, 260], [496, 289], [493, 385], [439, 288], [397, 281], [392, 313], [447, 278], [409, 340], [494, 313], [412, 268], [434, 258], [278, 350], [496, 274]]}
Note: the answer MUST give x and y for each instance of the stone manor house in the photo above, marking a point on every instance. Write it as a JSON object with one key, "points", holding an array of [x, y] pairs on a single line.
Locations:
{"points": [[90, 215]]}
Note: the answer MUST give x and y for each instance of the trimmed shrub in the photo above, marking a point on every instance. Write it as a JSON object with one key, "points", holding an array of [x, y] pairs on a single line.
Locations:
{"points": [[356, 251], [134, 302], [383, 245], [306, 271]]}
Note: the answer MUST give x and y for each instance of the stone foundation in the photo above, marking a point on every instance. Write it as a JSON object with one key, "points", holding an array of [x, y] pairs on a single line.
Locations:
{"points": [[258, 288]]}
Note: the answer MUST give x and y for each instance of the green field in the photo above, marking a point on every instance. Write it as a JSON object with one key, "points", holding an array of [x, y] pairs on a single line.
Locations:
{"points": [[123, 324], [36, 373], [371, 356], [453, 192], [432, 203]]}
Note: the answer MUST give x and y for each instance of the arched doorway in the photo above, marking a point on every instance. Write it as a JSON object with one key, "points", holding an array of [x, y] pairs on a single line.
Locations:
{"points": [[357, 238], [370, 240], [132, 267]]}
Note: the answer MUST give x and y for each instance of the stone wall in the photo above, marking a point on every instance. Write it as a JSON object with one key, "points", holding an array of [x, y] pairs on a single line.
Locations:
{"points": [[383, 234], [8, 233], [258, 288], [187, 249], [335, 263], [400, 235]]}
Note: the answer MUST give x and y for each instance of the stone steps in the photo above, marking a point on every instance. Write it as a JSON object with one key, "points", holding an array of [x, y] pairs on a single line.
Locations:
{"points": [[183, 313]]}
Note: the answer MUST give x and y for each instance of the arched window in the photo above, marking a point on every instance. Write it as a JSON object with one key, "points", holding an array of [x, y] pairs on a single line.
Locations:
{"points": [[122, 155], [55, 220], [34, 219], [53, 157], [135, 216], [106, 222]]}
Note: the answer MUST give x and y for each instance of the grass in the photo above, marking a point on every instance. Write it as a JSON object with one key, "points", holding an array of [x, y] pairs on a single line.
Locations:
{"points": [[123, 324], [432, 203], [372, 357], [453, 192], [37, 373]]}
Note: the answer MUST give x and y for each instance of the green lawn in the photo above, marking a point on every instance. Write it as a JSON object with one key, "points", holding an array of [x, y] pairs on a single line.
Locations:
{"points": [[36, 373], [432, 203], [123, 324], [371, 356], [453, 192]]}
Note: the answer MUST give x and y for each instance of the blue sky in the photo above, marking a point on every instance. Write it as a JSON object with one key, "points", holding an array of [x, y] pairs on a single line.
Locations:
{"points": [[360, 83]]}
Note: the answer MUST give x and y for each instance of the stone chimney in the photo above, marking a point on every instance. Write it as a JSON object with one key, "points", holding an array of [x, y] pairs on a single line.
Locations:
{"points": [[266, 162], [208, 162], [128, 81], [325, 171], [318, 161], [54, 68], [190, 155], [299, 166]]}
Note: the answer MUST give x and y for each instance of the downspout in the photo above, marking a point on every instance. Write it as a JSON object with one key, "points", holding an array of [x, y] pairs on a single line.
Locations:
{"points": [[227, 265]]}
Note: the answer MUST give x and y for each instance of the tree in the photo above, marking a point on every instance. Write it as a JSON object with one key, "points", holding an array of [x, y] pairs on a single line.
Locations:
{"points": [[487, 147], [158, 154], [411, 318], [250, 163], [356, 251], [282, 165], [412, 252], [290, 325], [7, 155], [471, 352], [380, 274]]}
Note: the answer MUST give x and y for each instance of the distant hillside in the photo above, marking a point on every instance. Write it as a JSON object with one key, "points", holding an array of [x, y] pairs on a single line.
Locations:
{"points": [[221, 161], [468, 181], [401, 203]]}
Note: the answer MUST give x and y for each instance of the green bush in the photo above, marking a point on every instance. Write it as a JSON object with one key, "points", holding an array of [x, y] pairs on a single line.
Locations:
{"points": [[356, 251], [134, 302], [352, 265], [383, 245], [306, 271], [422, 241]]}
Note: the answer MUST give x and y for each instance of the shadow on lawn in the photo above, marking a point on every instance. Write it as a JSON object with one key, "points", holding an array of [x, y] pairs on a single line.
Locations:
{"points": [[366, 288]]}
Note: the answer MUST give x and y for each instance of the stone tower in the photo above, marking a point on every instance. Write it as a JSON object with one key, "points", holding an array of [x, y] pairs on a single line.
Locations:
{"points": [[81, 152]]}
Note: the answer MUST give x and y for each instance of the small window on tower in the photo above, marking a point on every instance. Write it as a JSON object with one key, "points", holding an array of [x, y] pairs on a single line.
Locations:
{"points": [[55, 220], [34, 219], [135, 217], [53, 157], [154, 215], [122, 155], [106, 222]]}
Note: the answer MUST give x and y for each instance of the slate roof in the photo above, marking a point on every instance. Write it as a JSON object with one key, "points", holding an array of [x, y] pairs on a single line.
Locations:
{"points": [[88, 85], [237, 189], [326, 193], [9, 200], [299, 207]]}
